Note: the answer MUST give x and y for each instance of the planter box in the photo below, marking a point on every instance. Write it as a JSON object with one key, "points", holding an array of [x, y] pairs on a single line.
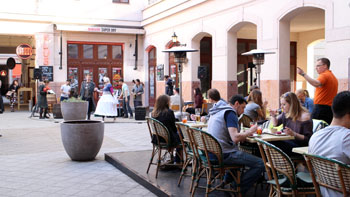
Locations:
{"points": [[82, 139], [74, 110]]}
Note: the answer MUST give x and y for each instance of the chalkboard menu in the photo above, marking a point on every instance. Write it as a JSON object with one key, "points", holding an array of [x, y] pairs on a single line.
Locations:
{"points": [[47, 73]]}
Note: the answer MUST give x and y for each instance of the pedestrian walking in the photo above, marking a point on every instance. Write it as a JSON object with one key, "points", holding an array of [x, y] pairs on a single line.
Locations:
{"points": [[42, 100], [168, 85], [12, 93], [86, 93], [137, 92], [326, 89], [65, 90], [125, 95]]}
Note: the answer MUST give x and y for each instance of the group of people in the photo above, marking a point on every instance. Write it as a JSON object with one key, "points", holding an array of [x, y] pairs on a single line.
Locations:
{"points": [[11, 95], [296, 114], [107, 104]]}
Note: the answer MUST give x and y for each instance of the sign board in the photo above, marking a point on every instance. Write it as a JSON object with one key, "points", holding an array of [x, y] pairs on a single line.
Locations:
{"points": [[46, 72], [24, 51], [3, 73]]}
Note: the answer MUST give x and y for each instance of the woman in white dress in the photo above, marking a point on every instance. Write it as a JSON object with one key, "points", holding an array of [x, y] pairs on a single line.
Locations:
{"points": [[107, 105]]}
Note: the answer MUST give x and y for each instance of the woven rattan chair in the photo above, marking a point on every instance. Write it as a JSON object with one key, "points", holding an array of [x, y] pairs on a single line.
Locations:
{"points": [[284, 179], [209, 154], [186, 141], [160, 132], [329, 173], [318, 124]]}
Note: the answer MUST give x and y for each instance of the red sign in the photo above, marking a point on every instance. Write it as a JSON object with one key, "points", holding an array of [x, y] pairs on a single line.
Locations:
{"points": [[3, 73], [24, 51]]}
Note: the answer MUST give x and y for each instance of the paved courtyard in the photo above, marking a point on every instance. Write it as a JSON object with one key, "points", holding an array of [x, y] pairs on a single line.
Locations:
{"points": [[33, 161]]}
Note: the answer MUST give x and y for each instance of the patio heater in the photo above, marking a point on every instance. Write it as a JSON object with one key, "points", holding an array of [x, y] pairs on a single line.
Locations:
{"points": [[179, 51], [258, 60]]}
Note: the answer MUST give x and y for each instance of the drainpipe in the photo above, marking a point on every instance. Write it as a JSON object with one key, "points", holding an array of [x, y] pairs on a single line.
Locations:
{"points": [[136, 54], [60, 53]]}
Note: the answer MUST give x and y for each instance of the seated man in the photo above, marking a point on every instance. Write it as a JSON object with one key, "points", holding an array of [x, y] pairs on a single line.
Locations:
{"points": [[223, 125], [306, 102], [175, 100], [334, 141]]}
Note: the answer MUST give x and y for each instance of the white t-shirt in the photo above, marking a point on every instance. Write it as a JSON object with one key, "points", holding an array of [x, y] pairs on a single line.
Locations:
{"points": [[125, 90], [331, 142], [65, 88]]}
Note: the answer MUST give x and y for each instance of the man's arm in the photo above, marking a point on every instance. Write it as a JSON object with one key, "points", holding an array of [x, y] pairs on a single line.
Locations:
{"points": [[240, 137], [314, 82]]}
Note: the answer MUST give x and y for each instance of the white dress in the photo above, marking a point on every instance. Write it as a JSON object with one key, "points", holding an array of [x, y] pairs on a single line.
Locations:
{"points": [[107, 105]]}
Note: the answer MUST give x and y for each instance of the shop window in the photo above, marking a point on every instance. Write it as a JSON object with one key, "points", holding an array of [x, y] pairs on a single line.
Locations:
{"points": [[120, 1], [72, 51], [102, 52], [117, 52], [88, 51]]}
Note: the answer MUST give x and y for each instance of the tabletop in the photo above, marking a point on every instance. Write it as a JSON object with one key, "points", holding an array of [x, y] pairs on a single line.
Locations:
{"points": [[195, 124], [300, 150], [269, 138]]}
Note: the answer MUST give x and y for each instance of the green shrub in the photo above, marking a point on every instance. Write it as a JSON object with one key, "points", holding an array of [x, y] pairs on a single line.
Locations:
{"points": [[74, 100]]}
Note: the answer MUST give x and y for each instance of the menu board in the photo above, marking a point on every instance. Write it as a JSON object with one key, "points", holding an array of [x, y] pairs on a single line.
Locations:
{"points": [[46, 73]]}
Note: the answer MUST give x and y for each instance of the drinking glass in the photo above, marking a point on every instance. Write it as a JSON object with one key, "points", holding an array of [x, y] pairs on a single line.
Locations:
{"points": [[184, 119]]}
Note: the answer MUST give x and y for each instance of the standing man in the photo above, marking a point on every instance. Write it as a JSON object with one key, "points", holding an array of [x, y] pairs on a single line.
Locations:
{"points": [[326, 89], [87, 94], [65, 90], [334, 141], [223, 125], [168, 85], [137, 92], [306, 102], [42, 99], [125, 95]]}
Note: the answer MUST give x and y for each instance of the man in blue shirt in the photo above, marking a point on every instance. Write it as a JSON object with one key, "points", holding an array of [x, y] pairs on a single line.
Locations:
{"points": [[306, 102], [223, 125]]}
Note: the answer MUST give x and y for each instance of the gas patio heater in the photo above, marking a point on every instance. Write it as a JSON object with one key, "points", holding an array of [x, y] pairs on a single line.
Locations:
{"points": [[258, 60], [179, 51]]}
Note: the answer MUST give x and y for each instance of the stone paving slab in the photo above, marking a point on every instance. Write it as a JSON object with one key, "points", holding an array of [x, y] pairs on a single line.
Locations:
{"points": [[33, 161]]}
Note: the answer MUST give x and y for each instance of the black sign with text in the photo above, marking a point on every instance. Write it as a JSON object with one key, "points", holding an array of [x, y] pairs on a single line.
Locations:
{"points": [[46, 73]]}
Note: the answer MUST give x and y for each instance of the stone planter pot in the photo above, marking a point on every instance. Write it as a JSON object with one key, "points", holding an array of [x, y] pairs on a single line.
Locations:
{"points": [[74, 110], [82, 139]]}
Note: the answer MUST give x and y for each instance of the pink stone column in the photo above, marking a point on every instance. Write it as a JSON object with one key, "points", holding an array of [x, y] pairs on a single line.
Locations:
{"points": [[226, 88]]}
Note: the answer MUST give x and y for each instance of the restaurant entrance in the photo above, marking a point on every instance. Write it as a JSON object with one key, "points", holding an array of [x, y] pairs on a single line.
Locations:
{"points": [[96, 59]]}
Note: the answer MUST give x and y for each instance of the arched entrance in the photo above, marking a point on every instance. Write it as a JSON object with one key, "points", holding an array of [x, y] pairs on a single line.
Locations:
{"points": [[152, 63]]}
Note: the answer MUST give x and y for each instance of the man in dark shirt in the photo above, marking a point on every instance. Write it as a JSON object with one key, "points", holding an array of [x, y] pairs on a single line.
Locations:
{"points": [[168, 85]]}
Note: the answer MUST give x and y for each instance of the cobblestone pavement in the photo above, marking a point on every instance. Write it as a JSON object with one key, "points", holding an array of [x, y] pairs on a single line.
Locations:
{"points": [[33, 161]]}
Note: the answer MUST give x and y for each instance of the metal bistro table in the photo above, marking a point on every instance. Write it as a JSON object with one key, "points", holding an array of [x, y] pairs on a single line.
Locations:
{"points": [[269, 137], [301, 150], [196, 125]]}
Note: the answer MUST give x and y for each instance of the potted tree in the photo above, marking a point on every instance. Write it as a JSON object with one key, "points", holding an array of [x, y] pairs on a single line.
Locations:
{"points": [[82, 139], [74, 109]]}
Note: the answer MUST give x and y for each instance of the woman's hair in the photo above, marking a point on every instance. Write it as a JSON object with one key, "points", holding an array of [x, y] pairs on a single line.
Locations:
{"points": [[256, 97], [295, 109], [306, 93], [138, 80], [13, 82], [106, 80], [198, 91], [161, 105]]}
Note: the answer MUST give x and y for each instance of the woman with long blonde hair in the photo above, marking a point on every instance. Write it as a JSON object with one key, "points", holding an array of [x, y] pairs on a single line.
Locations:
{"points": [[296, 122]]}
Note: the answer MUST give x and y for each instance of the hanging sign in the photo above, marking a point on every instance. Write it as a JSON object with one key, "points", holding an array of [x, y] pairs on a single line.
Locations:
{"points": [[24, 51], [3, 73]]}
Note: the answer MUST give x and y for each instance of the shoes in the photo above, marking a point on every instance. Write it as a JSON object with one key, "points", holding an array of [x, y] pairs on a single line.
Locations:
{"points": [[131, 117], [125, 116], [41, 118]]}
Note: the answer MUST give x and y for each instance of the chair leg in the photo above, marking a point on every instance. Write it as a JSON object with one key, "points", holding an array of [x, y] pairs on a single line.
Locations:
{"points": [[207, 190], [184, 166], [197, 181], [159, 160], [194, 168], [150, 162]]}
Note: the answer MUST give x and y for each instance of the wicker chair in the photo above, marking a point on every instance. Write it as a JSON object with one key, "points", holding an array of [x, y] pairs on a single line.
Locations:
{"points": [[318, 124], [329, 173], [207, 147], [160, 132], [284, 180], [186, 141]]}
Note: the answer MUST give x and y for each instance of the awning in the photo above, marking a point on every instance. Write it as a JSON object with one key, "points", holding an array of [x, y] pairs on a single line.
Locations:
{"points": [[101, 29]]}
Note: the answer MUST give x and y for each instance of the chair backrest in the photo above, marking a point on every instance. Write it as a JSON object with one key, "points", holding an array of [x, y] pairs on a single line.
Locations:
{"points": [[206, 106], [318, 124], [206, 143], [329, 173], [175, 107], [184, 132], [279, 162], [157, 128]]}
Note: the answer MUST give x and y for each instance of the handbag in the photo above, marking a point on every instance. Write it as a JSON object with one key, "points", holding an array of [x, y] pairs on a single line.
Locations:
{"points": [[9, 93]]}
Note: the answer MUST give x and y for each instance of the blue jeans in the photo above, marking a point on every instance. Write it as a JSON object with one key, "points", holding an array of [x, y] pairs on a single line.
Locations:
{"points": [[126, 107], [255, 164], [63, 98]]}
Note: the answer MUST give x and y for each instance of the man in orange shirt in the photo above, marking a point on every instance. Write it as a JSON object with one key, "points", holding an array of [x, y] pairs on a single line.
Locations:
{"points": [[326, 89]]}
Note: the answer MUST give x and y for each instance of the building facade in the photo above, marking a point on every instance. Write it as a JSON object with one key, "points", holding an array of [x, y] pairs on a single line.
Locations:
{"points": [[99, 38]]}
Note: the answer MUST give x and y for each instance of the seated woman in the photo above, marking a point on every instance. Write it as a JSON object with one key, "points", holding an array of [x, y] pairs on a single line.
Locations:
{"points": [[255, 110], [296, 121], [166, 116], [198, 101]]}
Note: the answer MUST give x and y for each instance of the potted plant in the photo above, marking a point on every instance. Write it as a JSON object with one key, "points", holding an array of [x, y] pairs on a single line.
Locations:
{"points": [[74, 109], [82, 139]]}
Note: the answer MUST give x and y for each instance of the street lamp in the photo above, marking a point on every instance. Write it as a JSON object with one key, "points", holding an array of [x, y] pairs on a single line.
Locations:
{"points": [[258, 60], [180, 57]]}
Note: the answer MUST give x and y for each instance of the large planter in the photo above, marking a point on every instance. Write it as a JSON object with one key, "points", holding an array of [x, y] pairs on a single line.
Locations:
{"points": [[82, 139], [74, 110]]}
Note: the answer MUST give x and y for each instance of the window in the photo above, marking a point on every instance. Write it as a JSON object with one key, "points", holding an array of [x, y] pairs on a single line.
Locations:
{"points": [[117, 52], [102, 51], [88, 51], [72, 51], [120, 1]]}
